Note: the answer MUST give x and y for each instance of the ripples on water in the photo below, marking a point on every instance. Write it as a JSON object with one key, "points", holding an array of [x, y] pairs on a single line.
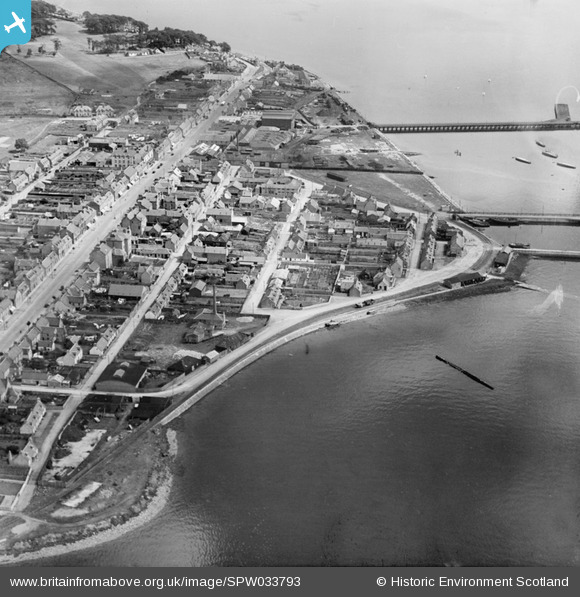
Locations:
{"points": [[367, 450]]}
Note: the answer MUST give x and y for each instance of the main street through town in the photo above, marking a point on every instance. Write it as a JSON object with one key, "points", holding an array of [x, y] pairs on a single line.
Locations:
{"points": [[283, 325], [105, 224], [123, 334], [478, 252], [79, 255]]}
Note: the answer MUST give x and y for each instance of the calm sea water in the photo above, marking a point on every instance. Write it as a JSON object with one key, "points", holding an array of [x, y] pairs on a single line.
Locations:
{"points": [[367, 450]]}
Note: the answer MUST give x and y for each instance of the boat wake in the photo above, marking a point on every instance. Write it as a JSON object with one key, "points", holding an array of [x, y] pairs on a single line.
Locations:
{"points": [[556, 297]]}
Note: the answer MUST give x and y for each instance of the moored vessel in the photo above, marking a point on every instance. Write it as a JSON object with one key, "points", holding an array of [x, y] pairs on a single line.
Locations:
{"points": [[476, 222], [503, 221]]}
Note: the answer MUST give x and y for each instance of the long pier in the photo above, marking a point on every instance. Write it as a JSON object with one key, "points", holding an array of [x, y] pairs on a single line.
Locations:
{"points": [[478, 127], [568, 219], [550, 254]]}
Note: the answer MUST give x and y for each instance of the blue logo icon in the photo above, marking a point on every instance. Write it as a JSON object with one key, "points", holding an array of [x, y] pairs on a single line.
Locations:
{"points": [[15, 22]]}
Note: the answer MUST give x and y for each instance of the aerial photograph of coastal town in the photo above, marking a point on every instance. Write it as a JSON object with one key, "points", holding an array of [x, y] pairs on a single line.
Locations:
{"points": [[290, 283]]}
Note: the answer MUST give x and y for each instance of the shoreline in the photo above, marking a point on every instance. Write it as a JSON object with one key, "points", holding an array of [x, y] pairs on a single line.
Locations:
{"points": [[289, 327], [155, 505], [318, 323], [109, 529]]}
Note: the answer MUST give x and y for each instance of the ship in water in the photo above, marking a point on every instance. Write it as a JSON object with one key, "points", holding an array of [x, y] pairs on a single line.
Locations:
{"points": [[540, 144], [550, 154], [522, 160], [519, 245], [565, 165], [503, 221], [476, 222]]}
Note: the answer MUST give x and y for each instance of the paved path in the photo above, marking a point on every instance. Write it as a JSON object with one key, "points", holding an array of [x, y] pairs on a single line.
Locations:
{"points": [[283, 325], [287, 325], [105, 224], [477, 254], [254, 297], [81, 254]]}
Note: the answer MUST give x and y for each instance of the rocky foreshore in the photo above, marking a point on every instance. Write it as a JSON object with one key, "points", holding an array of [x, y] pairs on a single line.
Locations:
{"points": [[144, 510]]}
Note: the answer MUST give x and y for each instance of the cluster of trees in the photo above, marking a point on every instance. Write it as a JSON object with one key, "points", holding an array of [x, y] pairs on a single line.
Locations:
{"points": [[99, 24], [21, 144], [171, 38], [41, 49], [42, 23], [168, 38], [117, 27], [176, 74], [114, 42]]}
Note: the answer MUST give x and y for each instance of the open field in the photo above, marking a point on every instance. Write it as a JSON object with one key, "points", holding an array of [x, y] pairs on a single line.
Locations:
{"points": [[78, 69], [31, 128], [409, 191], [24, 91]]}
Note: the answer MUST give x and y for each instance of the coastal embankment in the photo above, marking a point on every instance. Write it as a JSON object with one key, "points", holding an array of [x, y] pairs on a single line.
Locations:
{"points": [[26, 545], [406, 156], [285, 327], [344, 315], [157, 494], [54, 537]]}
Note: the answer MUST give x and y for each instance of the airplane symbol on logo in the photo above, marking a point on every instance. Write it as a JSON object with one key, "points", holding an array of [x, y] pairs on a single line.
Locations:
{"points": [[17, 23]]}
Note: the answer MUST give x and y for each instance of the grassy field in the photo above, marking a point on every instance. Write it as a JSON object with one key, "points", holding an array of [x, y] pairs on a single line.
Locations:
{"points": [[30, 128], [120, 79], [24, 91], [34, 90], [410, 191]]}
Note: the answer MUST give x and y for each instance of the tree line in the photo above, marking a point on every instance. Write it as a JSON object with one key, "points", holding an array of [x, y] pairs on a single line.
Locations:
{"points": [[120, 32], [125, 32], [100, 24], [42, 21]]}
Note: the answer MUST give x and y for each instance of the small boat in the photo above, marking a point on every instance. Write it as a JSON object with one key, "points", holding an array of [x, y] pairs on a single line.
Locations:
{"points": [[519, 245], [476, 223], [540, 144], [550, 154], [503, 221], [332, 324], [565, 165], [522, 160]]}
